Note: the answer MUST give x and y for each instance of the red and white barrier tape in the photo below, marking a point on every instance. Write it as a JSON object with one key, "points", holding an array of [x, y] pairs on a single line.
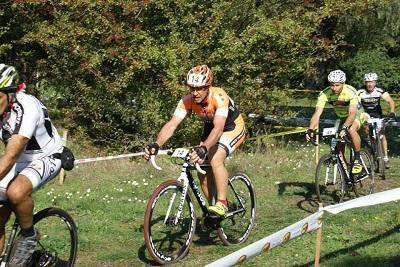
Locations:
{"points": [[80, 161]]}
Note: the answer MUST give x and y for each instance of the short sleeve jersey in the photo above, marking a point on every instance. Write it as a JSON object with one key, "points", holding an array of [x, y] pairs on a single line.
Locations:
{"points": [[29, 117], [217, 103], [371, 101], [340, 102]]}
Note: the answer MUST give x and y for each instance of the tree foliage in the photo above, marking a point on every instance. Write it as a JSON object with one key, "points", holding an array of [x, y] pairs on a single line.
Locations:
{"points": [[114, 69]]}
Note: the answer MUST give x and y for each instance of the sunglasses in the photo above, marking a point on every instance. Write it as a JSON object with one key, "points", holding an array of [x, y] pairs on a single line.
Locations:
{"points": [[198, 89]]}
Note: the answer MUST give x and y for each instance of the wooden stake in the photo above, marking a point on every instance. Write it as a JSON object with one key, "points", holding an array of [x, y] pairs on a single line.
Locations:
{"points": [[62, 172], [317, 147], [318, 242]]}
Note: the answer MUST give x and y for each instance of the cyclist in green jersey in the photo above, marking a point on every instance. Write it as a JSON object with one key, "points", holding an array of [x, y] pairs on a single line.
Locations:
{"points": [[346, 105]]}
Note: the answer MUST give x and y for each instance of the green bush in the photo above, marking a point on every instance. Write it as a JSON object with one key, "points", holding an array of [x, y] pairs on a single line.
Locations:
{"points": [[113, 69]]}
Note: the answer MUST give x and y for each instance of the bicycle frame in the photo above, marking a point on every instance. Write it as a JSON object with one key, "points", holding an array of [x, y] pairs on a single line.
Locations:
{"points": [[374, 134], [338, 156], [187, 180], [6, 256]]}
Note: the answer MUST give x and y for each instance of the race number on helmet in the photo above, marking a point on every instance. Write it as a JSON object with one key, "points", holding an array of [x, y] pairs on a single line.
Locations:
{"points": [[199, 76], [337, 76], [8, 76]]}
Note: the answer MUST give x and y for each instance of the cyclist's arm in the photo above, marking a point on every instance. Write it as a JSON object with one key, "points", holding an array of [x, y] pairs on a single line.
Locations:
{"points": [[390, 101], [216, 132], [168, 130], [15, 146], [352, 115], [315, 117]]}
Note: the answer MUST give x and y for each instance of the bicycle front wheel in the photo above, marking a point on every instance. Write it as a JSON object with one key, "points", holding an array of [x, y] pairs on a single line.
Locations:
{"points": [[364, 183], [241, 200], [380, 157], [169, 223], [58, 243], [329, 181]]}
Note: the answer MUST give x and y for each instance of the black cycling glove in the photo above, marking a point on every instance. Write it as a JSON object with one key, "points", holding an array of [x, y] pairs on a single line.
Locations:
{"points": [[392, 115], [152, 146], [201, 151], [310, 133]]}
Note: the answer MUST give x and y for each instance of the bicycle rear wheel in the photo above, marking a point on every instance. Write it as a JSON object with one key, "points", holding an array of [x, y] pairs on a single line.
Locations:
{"points": [[241, 201], [329, 181], [167, 234], [364, 183], [58, 243]]}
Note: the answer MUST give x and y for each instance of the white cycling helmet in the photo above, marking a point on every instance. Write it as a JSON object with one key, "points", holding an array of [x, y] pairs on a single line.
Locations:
{"points": [[370, 77], [337, 76], [199, 76], [8, 76]]}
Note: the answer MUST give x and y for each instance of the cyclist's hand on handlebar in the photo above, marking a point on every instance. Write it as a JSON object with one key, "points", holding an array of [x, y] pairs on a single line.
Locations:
{"points": [[150, 150], [310, 135], [343, 131], [198, 154], [392, 116]]}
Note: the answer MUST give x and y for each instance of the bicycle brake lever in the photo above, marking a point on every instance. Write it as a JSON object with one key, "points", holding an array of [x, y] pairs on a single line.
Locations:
{"points": [[199, 169], [153, 162]]}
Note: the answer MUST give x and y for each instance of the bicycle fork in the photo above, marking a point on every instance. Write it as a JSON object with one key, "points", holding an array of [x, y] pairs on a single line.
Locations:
{"points": [[335, 168], [183, 178]]}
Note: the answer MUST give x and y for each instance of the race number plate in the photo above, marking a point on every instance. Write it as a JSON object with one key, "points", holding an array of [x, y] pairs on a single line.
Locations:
{"points": [[180, 153], [374, 120], [329, 131]]}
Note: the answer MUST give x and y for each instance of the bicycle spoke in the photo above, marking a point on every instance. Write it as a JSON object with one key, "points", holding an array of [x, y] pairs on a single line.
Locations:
{"points": [[168, 231], [241, 210]]}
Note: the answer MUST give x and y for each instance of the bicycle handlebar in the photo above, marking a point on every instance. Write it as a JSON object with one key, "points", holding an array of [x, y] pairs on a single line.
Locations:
{"points": [[314, 142], [155, 165]]}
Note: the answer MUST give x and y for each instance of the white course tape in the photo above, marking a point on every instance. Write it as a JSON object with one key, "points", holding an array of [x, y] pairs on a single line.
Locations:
{"points": [[306, 225], [79, 161], [369, 200]]}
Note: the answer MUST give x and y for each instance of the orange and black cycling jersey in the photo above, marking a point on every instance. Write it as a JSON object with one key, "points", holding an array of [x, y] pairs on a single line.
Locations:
{"points": [[216, 103]]}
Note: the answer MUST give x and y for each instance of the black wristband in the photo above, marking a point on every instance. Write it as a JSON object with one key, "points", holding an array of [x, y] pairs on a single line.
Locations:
{"points": [[345, 128]]}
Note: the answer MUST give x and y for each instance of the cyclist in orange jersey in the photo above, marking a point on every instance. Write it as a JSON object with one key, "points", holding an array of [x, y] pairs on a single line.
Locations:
{"points": [[224, 131]]}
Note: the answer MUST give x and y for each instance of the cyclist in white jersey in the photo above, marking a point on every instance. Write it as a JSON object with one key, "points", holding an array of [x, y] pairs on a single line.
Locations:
{"points": [[31, 141], [371, 96]]}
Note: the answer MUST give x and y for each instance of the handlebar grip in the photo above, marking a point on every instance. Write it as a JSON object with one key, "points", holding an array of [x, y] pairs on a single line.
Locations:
{"points": [[199, 169], [314, 142], [153, 162]]}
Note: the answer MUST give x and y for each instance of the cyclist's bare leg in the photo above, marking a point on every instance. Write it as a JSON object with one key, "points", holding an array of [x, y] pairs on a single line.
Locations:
{"points": [[207, 185], [217, 157], [355, 137], [5, 212], [19, 196], [384, 144]]}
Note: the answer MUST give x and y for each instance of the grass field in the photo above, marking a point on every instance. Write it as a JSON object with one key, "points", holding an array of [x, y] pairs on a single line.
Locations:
{"points": [[108, 199]]}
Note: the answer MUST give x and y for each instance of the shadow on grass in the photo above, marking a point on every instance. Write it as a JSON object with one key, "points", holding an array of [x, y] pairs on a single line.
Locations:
{"points": [[393, 261], [144, 259], [362, 261], [206, 236], [309, 203]]}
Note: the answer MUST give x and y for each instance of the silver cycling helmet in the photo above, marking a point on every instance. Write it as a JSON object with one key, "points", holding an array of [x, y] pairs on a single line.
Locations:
{"points": [[370, 77]]}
